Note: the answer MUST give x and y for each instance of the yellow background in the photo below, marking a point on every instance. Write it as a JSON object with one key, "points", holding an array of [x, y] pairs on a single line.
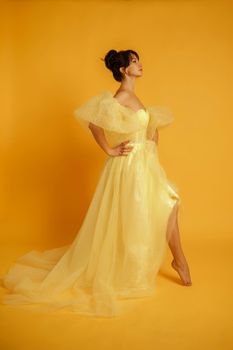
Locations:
{"points": [[50, 64]]}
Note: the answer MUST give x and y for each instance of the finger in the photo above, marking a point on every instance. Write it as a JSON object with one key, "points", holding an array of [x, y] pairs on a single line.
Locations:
{"points": [[126, 152], [129, 148]]}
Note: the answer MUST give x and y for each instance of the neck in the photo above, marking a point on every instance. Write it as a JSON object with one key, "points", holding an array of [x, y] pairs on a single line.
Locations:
{"points": [[128, 84]]}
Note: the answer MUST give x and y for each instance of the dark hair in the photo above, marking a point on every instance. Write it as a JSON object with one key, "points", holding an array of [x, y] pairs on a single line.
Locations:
{"points": [[114, 60]]}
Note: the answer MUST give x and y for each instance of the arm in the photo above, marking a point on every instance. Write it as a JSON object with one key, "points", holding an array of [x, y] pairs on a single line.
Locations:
{"points": [[155, 136], [99, 136], [120, 150]]}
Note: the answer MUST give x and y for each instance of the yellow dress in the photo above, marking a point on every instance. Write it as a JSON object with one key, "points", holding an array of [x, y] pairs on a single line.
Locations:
{"points": [[120, 245]]}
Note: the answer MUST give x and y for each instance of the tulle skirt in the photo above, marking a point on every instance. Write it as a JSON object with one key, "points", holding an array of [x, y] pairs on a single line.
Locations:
{"points": [[118, 249]]}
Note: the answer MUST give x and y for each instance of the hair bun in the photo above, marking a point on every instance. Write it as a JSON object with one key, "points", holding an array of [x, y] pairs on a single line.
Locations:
{"points": [[115, 60], [110, 59]]}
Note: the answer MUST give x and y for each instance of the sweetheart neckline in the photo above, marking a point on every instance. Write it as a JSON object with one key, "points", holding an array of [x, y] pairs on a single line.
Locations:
{"points": [[140, 109]]}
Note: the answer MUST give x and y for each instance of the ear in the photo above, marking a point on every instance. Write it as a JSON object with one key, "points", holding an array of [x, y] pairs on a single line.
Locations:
{"points": [[122, 70]]}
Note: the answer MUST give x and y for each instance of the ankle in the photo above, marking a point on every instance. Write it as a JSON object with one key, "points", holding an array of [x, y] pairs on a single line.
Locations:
{"points": [[180, 261]]}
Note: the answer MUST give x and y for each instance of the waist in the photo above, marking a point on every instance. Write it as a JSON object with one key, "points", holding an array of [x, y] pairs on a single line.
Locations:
{"points": [[140, 142], [137, 145]]}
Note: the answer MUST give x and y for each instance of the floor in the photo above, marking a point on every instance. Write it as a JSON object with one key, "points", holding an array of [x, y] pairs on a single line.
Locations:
{"points": [[176, 317]]}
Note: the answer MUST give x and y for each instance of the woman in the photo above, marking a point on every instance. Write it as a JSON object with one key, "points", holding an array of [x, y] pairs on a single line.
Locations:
{"points": [[133, 213]]}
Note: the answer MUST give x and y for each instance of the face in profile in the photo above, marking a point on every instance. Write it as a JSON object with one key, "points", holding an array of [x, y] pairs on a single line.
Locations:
{"points": [[135, 67]]}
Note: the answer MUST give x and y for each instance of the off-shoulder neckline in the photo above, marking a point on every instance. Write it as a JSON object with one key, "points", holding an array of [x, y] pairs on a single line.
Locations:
{"points": [[125, 107]]}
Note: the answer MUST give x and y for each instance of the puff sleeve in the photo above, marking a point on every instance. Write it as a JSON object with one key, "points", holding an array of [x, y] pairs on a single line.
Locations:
{"points": [[104, 111], [159, 117]]}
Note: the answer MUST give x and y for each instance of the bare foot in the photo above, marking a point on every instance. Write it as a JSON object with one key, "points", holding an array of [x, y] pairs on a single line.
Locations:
{"points": [[183, 271]]}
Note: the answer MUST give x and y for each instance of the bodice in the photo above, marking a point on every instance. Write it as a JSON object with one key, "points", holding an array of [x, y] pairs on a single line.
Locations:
{"points": [[140, 135], [119, 122]]}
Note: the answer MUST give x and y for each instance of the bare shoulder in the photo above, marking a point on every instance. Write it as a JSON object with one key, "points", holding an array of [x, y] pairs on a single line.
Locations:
{"points": [[128, 99], [123, 97]]}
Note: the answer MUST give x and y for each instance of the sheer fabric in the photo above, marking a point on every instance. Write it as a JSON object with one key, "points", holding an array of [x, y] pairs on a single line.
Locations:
{"points": [[120, 245]]}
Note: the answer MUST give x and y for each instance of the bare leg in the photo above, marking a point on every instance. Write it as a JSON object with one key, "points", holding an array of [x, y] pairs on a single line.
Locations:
{"points": [[179, 262]]}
